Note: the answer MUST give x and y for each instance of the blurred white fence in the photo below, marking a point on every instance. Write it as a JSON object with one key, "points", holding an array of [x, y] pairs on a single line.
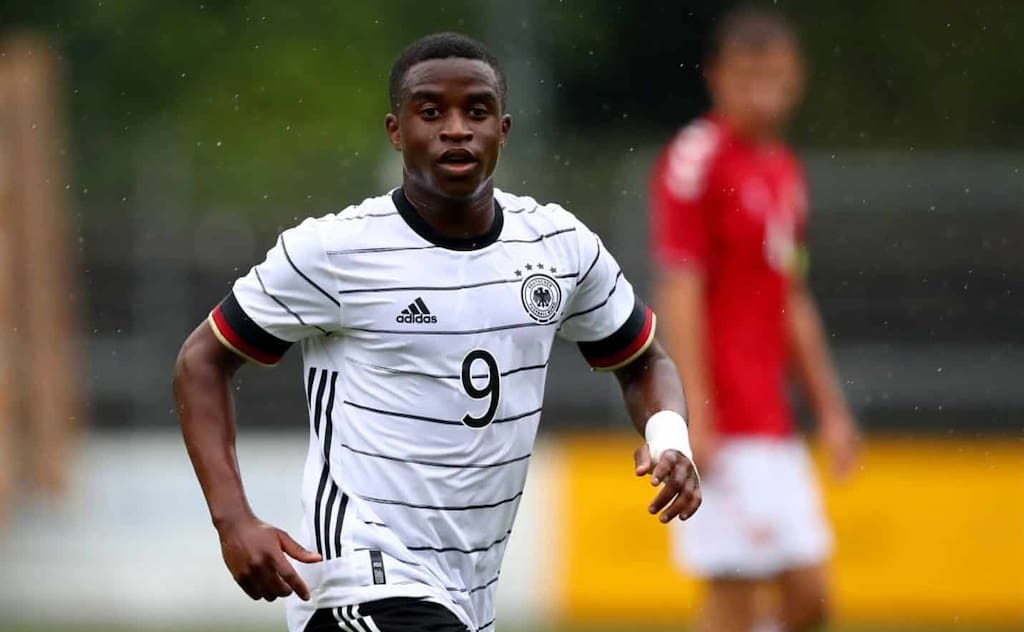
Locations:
{"points": [[133, 546]]}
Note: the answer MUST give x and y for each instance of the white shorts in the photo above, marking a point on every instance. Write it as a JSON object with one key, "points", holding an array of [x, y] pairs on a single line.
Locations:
{"points": [[761, 513]]}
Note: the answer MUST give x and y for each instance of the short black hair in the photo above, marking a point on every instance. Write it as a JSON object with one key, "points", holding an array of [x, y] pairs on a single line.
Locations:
{"points": [[750, 26], [441, 46]]}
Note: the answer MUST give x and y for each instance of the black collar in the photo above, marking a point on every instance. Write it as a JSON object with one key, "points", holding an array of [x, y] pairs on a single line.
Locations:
{"points": [[426, 231]]}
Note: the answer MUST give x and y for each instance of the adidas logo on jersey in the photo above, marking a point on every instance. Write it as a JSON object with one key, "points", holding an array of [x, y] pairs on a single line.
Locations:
{"points": [[417, 312]]}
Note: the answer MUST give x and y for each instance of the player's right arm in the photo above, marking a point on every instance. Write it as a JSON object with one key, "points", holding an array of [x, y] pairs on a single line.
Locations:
{"points": [[253, 550], [287, 297], [678, 198]]}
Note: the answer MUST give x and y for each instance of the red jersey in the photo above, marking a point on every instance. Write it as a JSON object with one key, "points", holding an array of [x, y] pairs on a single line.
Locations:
{"points": [[736, 210]]}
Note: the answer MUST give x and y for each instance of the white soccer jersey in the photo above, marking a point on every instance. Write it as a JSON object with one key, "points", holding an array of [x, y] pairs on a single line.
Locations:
{"points": [[425, 359]]}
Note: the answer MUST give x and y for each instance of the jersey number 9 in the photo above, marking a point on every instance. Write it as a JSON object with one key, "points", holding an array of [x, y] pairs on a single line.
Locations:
{"points": [[491, 389]]}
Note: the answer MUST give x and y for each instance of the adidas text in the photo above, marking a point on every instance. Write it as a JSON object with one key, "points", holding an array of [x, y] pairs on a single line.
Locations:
{"points": [[416, 318]]}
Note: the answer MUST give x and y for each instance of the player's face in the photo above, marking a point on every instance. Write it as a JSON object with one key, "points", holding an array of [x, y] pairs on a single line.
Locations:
{"points": [[449, 126], [757, 88]]}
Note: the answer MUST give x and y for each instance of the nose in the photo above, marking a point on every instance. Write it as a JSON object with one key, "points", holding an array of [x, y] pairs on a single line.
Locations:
{"points": [[456, 128]]}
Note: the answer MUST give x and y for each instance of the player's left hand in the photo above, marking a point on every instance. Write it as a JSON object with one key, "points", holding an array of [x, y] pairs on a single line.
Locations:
{"points": [[680, 491]]}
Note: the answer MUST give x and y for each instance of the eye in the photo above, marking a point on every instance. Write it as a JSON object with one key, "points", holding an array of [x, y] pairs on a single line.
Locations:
{"points": [[430, 112], [479, 112]]}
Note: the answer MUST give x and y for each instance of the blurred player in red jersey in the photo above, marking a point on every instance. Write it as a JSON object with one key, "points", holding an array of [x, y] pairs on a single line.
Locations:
{"points": [[729, 213]]}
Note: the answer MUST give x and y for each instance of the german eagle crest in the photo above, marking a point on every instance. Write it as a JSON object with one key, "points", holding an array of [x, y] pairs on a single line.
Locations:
{"points": [[542, 296]]}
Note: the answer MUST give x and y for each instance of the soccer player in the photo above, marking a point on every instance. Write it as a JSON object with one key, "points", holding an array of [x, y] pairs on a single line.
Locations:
{"points": [[426, 318], [729, 212]]}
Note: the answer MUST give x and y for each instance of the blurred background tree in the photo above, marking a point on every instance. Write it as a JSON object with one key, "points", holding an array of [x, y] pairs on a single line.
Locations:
{"points": [[275, 104]]}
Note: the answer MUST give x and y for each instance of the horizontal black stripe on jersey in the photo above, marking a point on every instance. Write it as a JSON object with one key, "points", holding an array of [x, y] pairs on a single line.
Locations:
{"points": [[455, 549], [433, 420], [486, 625], [476, 589], [302, 274], [561, 231], [528, 211], [451, 332], [402, 503], [584, 312], [478, 466], [445, 288], [359, 251], [355, 217], [484, 586], [450, 376]]}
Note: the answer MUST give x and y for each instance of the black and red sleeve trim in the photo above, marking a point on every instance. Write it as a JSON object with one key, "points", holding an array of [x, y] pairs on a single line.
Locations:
{"points": [[241, 334], [626, 344]]}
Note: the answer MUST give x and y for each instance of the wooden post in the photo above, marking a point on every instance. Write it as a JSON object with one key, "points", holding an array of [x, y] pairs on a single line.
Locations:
{"points": [[47, 376], [9, 227]]}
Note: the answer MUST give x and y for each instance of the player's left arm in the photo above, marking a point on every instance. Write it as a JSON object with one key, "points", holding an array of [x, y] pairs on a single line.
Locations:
{"points": [[817, 375], [615, 331], [656, 405]]}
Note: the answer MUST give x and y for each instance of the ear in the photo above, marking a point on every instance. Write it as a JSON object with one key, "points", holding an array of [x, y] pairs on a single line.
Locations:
{"points": [[391, 127], [506, 125]]}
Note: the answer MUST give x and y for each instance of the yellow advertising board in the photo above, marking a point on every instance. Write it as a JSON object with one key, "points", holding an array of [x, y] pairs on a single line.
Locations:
{"points": [[928, 532]]}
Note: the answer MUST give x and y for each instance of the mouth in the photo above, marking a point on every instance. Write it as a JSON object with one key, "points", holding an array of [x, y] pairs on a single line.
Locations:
{"points": [[457, 160]]}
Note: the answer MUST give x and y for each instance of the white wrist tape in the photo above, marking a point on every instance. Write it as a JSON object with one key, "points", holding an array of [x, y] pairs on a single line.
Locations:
{"points": [[666, 430]]}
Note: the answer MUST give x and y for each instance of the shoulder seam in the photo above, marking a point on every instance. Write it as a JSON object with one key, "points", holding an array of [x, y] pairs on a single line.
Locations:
{"points": [[319, 239]]}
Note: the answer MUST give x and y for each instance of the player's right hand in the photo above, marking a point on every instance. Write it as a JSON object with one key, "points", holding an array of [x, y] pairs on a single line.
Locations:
{"points": [[254, 552]]}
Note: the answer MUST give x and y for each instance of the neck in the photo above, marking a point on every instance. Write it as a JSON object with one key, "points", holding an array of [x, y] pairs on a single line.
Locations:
{"points": [[746, 129], [459, 217]]}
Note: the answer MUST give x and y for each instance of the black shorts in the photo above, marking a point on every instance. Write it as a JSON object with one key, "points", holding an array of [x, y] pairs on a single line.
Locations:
{"points": [[397, 614]]}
